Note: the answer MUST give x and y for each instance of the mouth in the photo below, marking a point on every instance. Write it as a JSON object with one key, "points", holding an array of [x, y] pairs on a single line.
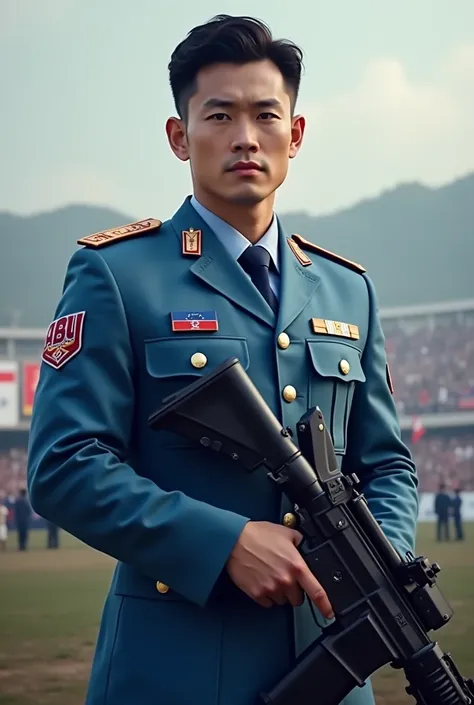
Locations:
{"points": [[246, 168]]}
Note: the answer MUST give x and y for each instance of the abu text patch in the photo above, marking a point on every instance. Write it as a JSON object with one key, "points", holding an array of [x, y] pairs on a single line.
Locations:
{"points": [[63, 339]]}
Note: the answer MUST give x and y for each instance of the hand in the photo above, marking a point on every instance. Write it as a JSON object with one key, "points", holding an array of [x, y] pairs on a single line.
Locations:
{"points": [[268, 567]]}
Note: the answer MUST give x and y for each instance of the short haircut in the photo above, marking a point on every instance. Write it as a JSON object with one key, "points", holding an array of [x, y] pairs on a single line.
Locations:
{"points": [[233, 40]]}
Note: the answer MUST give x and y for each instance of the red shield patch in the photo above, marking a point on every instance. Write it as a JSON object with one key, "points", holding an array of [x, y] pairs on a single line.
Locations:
{"points": [[63, 339]]}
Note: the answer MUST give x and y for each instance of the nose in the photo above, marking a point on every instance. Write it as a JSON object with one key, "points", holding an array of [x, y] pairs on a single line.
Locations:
{"points": [[245, 137]]}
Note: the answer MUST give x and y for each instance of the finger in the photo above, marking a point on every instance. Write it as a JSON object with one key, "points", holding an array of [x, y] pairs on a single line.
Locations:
{"points": [[265, 602], [316, 594], [261, 598], [279, 598], [296, 537], [295, 595]]}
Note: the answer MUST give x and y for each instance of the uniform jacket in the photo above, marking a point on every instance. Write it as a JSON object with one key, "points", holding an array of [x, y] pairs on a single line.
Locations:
{"points": [[175, 629]]}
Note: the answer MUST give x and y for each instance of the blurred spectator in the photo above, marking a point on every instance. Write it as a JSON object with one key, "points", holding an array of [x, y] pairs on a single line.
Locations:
{"points": [[442, 509], [457, 514], [23, 514], [4, 512], [432, 362], [52, 532], [12, 472]]}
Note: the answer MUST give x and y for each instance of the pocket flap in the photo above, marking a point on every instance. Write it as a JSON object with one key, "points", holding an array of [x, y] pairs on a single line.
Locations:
{"points": [[173, 357], [336, 359]]}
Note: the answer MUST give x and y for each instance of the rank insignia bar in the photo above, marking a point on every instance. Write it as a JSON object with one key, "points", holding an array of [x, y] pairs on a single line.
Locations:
{"points": [[301, 256], [326, 327], [125, 232], [191, 242], [194, 320]]}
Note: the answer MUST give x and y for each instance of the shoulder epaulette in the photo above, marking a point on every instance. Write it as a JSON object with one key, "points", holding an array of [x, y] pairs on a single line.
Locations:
{"points": [[326, 253], [125, 232]]}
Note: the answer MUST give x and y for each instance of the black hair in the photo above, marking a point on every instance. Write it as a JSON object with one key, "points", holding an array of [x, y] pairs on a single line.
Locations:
{"points": [[233, 40]]}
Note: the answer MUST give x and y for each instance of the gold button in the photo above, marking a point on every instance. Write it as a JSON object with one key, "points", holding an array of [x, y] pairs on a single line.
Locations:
{"points": [[283, 341], [161, 587], [198, 360], [289, 520], [344, 367], [289, 393]]}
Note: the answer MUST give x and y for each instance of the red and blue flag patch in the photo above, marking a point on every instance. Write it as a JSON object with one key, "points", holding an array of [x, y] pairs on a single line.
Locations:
{"points": [[194, 320]]}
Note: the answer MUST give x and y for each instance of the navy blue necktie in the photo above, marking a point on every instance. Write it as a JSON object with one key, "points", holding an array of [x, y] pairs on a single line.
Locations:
{"points": [[256, 262]]}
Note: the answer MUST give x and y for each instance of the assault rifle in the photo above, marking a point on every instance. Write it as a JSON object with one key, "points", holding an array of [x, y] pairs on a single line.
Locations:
{"points": [[381, 600]]}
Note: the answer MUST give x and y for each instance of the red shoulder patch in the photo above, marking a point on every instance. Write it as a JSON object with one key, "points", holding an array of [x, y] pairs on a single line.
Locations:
{"points": [[63, 339]]}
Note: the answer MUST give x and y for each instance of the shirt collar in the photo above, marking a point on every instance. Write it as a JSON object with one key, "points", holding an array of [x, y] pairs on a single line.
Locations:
{"points": [[232, 239]]}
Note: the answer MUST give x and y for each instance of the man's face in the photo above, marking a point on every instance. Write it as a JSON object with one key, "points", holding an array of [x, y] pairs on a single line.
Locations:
{"points": [[240, 134]]}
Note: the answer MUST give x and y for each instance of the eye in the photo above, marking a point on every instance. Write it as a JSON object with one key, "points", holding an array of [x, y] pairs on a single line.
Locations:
{"points": [[219, 117], [267, 116]]}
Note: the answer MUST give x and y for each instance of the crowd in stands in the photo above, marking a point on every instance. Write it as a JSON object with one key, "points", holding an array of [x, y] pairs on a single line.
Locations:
{"points": [[431, 359], [12, 471], [432, 362]]}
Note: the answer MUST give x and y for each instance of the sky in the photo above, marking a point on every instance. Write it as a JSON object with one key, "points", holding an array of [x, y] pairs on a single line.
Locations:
{"points": [[387, 93]]}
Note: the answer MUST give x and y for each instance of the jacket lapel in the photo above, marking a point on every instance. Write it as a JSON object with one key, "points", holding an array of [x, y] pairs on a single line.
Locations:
{"points": [[217, 269], [298, 284]]}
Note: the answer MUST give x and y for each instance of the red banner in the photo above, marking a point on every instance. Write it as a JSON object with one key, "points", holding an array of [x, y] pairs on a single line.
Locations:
{"points": [[30, 380], [466, 402]]}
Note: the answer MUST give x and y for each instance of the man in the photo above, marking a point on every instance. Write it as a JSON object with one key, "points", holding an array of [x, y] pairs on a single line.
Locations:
{"points": [[23, 514], [457, 514], [52, 535], [3, 523], [442, 509], [206, 604]]}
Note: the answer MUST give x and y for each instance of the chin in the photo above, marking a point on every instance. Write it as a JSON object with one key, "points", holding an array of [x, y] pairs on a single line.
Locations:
{"points": [[247, 197]]}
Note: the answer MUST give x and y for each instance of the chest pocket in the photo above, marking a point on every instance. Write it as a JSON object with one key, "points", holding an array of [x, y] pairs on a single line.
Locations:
{"points": [[192, 356], [335, 369], [173, 363]]}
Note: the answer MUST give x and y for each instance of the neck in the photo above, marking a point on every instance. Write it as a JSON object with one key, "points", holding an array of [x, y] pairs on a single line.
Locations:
{"points": [[252, 221]]}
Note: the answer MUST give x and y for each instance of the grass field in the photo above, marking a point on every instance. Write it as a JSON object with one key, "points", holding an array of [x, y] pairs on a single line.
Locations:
{"points": [[50, 604]]}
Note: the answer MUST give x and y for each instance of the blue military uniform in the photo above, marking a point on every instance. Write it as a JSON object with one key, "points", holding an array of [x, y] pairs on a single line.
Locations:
{"points": [[175, 629]]}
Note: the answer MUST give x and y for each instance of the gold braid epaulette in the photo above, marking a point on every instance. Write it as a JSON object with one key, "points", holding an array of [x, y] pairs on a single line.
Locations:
{"points": [[125, 232], [306, 244]]}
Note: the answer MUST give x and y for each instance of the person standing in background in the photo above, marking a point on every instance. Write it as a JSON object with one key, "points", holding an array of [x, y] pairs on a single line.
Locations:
{"points": [[442, 506], [23, 513], [457, 515], [52, 534], [3, 524]]}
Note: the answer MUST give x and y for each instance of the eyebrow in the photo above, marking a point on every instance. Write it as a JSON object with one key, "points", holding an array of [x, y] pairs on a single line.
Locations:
{"points": [[225, 103]]}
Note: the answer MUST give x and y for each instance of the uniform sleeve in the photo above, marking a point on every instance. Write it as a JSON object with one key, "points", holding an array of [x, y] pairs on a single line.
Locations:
{"points": [[80, 439], [375, 450]]}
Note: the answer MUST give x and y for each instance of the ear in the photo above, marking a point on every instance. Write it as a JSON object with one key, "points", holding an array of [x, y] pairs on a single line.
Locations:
{"points": [[177, 138], [298, 124]]}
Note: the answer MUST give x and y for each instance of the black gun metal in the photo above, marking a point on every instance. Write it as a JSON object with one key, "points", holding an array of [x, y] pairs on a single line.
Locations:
{"points": [[388, 602]]}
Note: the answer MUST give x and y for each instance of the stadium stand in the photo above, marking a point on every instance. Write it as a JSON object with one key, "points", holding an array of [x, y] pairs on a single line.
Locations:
{"points": [[431, 355], [12, 471], [432, 362]]}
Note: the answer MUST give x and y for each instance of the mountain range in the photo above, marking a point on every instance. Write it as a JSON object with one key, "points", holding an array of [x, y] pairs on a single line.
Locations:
{"points": [[416, 242]]}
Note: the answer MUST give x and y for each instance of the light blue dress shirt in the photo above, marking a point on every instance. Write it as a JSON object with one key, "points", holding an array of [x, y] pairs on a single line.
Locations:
{"points": [[236, 243]]}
